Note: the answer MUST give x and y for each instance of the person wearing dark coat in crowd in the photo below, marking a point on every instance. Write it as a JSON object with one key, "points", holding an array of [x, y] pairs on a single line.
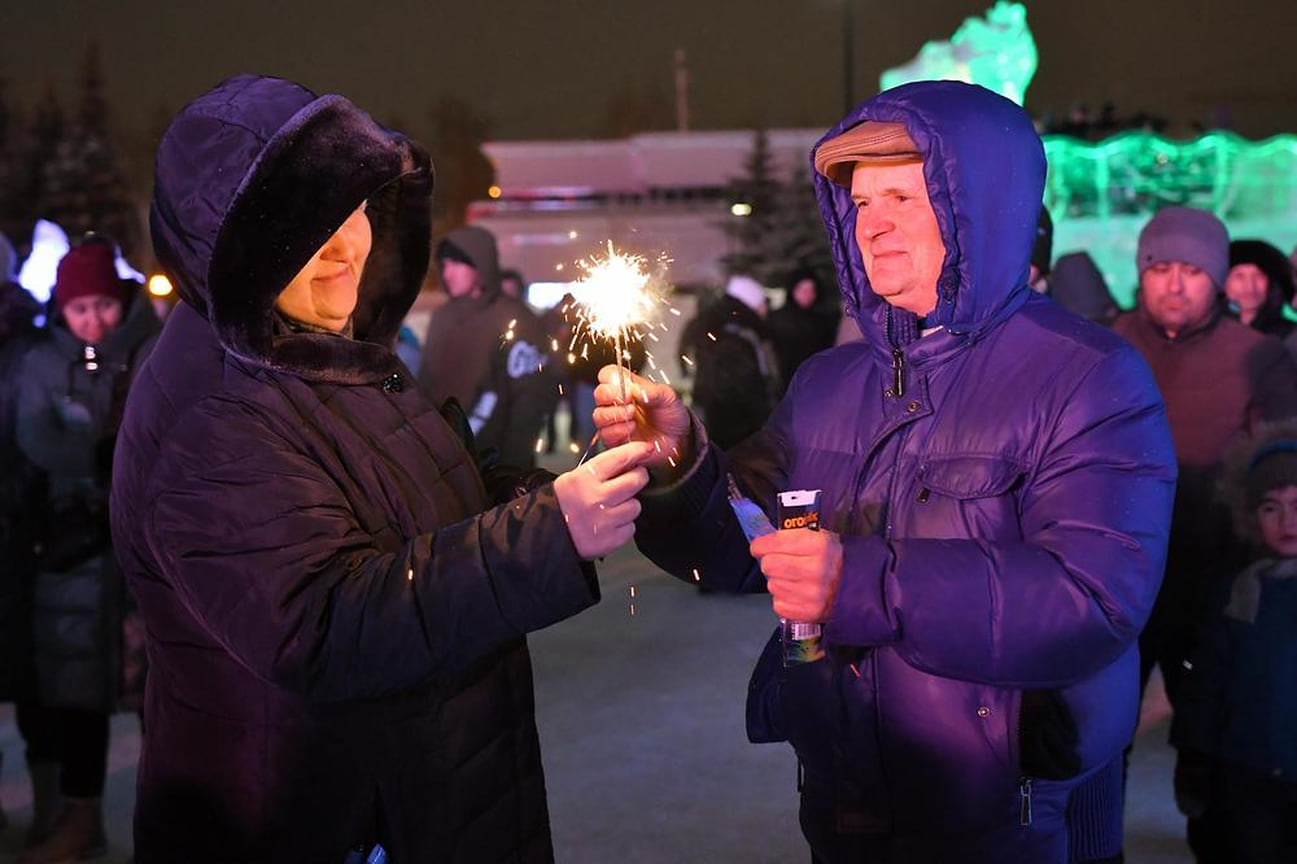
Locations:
{"points": [[336, 599], [802, 326], [1235, 727], [1219, 378], [72, 387], [1077, 285], [18, 487], [736, 376], [995, 479], [1042, 253], [488, 351], [1259, 287]]}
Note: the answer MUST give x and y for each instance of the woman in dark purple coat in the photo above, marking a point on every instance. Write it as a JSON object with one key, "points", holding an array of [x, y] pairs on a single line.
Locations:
{"points": [[335, 618]]}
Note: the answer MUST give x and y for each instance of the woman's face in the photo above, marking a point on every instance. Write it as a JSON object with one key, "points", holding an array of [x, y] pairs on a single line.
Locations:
{"points": [[1246, 287], [324, 292], [93, 317]]}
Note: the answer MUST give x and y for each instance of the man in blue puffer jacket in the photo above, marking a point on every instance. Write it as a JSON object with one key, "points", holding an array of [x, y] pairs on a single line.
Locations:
{"points": [[996, 477]]}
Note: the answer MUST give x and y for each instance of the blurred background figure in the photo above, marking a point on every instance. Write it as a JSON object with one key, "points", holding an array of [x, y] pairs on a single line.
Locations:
{"points": [[513, 285], [487, 350], [72, 387], [1219, 379], [1234, 727], [1259, 287], [1042, 253], [807, 323], [1076, 284], [18, 311], [737, 378]]}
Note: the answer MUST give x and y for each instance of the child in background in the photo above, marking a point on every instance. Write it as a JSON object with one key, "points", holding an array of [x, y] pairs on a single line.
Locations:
{"points": [[1236, 725]]}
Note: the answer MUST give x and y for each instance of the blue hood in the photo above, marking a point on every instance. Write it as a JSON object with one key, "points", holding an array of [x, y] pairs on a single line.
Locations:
{"points": [[985, 170]]}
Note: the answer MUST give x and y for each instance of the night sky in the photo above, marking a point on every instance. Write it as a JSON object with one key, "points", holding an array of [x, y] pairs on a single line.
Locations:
{"points": [[549, 68]]}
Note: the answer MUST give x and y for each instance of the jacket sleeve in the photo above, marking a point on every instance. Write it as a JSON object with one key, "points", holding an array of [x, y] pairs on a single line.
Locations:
{"points": [[689, 528], [57, 438], [1067, 598], [265, 550]]}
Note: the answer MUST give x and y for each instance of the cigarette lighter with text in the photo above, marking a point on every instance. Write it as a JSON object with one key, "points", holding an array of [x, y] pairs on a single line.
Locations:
{"points": [[803, 640]]}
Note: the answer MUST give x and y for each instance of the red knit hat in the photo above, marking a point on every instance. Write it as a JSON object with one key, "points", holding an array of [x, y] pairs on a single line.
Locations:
{"points": [[88, 270]]}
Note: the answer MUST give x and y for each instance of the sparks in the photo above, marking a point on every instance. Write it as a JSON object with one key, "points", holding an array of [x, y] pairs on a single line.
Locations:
{"points": [[616, 296]]}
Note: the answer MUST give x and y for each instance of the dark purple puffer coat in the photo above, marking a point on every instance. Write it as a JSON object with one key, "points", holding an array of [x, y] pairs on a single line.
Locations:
{"points": [[1003, 490], [335, 625]]}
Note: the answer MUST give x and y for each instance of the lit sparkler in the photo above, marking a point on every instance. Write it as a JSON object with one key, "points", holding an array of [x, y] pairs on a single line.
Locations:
{"points": [[617, 297]]}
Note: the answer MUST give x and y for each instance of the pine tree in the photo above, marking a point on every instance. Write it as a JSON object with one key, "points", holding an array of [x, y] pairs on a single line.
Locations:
{"points": [[754, 197], [11, 210], [83, 187], [797, 240], [466, 174], [783, 232]]}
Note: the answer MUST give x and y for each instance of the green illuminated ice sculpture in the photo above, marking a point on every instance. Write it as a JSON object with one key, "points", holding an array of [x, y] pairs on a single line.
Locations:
{"points": [[997, 52], [1101, 194]]}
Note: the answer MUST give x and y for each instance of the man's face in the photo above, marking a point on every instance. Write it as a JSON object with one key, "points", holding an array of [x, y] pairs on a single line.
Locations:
{"points": [[1246, 287], [324, 292], [459, 278], [896, 230], [1177, 296]]}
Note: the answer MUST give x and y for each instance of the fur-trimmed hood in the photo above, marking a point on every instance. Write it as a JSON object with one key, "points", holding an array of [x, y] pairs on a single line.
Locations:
{"points": [[252, 178]]}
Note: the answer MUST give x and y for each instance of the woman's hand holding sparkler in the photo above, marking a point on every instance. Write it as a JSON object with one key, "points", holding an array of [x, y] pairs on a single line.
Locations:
{"points": [[598, 499], [632, 408]]}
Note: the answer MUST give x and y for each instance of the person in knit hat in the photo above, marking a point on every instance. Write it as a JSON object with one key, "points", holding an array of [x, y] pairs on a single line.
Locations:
{"points": [[1233, 728], [88, 294], [1259, 287], [72, 388], [1218, 378]]}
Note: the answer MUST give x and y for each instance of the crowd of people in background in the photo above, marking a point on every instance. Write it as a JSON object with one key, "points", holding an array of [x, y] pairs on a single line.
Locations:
{"points": [[1213, 318]]}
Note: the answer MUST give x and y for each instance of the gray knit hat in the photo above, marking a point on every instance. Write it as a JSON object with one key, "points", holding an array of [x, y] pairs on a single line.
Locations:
{"points": [[1186, 234]]}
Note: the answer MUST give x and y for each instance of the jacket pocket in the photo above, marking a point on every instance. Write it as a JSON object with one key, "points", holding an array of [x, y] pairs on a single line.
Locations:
{"points": [[970, 476]]}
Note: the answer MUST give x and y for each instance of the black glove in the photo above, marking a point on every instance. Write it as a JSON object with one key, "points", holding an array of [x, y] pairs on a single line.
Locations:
{"points": [[1047, 737], [1192, 782]]}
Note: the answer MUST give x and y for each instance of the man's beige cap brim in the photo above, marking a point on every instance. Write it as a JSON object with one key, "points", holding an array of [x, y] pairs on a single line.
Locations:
{"points": [[872, 142]]}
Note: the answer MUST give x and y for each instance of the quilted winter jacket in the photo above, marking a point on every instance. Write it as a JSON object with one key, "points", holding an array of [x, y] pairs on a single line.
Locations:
{"points": [[1002, 487], [335, 618]]}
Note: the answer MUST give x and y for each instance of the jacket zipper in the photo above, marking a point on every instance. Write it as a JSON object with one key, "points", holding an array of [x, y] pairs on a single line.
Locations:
{"points": [[1024, 802], [898, 372]]}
